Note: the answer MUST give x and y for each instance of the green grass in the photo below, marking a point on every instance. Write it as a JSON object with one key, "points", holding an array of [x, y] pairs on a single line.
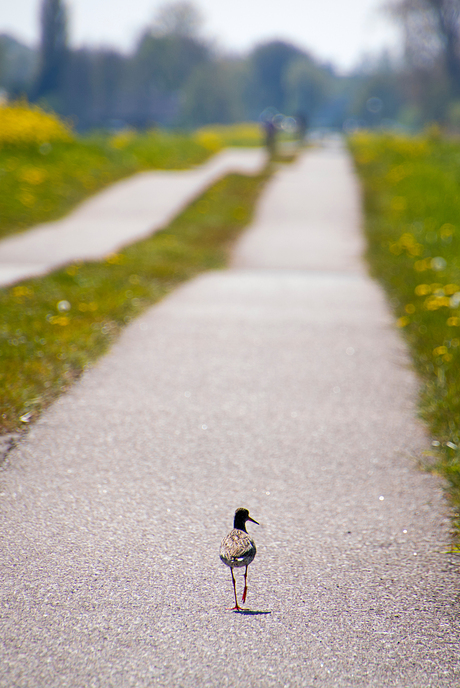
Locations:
{"points": [[55, 326], [43, 182], [412, 222]]}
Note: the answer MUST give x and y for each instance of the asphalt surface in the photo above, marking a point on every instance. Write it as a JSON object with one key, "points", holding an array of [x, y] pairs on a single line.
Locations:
{"points": [[286, 390], [124, 212]]}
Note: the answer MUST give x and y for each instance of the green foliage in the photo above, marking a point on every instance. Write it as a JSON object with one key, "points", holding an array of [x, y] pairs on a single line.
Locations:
{"points": [[388, 87], [53, 48], [212, 94], [413, 228], [54, 326], [17, 65], [269, 64], [168, 60], [307, 86]]}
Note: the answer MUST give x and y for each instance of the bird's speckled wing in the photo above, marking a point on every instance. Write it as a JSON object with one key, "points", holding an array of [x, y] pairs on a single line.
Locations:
{"points": [[237, 549]]}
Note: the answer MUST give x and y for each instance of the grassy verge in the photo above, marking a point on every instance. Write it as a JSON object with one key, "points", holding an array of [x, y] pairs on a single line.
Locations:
{"points": [[241, 134], [55, 326], [248, 134], [412, 222], [43, 181]]}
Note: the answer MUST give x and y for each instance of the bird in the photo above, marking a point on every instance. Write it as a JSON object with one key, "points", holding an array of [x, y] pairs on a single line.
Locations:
{"points": [[238, 549]]}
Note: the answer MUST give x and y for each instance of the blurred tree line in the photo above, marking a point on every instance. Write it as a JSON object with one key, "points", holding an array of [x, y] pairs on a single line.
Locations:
{"points": [[423, 84], [176, 77], [173, 77]]}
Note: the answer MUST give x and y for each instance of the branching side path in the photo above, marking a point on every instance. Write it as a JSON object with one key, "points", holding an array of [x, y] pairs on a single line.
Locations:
{"points": [[124, 212], [280, 385]]}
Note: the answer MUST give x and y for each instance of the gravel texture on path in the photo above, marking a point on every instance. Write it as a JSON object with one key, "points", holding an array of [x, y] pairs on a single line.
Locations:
{"points": [[286, 391], [126, 211]]}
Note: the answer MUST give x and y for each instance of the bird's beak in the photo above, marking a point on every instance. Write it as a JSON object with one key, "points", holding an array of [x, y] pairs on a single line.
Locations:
{"points": [[252, 520]]}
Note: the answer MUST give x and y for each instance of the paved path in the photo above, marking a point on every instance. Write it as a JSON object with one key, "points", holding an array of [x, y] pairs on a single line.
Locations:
{"points": [[283, 390], [120, 214]]}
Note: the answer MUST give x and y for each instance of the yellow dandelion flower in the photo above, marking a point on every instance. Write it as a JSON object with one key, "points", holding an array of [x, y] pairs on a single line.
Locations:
{"points": [[422, 289], [33, 175]]}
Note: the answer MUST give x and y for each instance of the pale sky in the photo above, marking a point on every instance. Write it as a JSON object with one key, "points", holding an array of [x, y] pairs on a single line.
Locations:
{"points": [[339, 31]]}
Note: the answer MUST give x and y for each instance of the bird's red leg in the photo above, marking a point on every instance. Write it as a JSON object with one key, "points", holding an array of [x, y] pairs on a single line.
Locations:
{"points": [[236, 608], [243, 599]]}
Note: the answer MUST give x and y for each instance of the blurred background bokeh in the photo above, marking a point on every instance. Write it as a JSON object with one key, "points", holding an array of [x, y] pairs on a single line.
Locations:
{"points": [[176, 73]]}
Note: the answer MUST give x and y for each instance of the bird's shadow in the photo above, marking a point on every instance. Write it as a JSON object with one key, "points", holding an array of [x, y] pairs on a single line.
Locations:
{"points": [[250, 612]]}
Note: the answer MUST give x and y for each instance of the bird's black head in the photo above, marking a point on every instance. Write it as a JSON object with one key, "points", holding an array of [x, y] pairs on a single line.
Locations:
{"points": [[241, 516]]}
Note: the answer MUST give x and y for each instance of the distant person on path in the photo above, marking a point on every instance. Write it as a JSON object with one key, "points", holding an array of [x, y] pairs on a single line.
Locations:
{"points": [[270, 136], [302, 126]]}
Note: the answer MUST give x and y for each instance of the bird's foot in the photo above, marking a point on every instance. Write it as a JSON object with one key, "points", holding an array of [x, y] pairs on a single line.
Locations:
{"points": [[236, 608]]}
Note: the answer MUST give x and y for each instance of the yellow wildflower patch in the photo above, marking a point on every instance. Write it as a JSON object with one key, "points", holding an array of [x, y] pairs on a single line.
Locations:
{"points": [[209, 139], [422, 265], [22, 124], [217, 136], [59, 320], [21, 291], [408, 243], [369, 147], [83, 307], [432, 303]]}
